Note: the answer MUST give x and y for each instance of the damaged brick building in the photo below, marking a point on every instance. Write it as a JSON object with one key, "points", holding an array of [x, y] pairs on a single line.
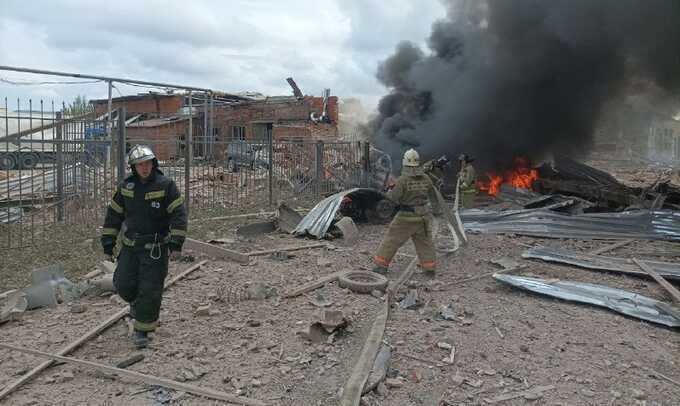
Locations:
{"points": [[162, 120]]}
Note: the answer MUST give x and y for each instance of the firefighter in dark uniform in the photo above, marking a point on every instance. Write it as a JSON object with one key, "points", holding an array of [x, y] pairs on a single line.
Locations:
{"points": [[156, 225], [416, 198]]}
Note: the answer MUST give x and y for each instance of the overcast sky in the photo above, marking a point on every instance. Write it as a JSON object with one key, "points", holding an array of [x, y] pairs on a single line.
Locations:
{"points": [[235, 45]]}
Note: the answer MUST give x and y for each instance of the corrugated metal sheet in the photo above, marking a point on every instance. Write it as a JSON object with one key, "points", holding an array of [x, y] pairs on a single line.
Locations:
{"points": [[621, 301], [601, 263], [320, 218], [639, 224]]}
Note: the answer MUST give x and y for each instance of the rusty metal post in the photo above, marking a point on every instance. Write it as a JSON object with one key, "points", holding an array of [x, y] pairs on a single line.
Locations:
{"points": [[366, 163], [120, 147], [270, 152], [60, 168], [318, 167]]}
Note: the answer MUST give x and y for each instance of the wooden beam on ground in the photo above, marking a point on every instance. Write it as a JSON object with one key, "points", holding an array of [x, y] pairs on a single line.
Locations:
{"points": [[245, 216], [532, 393], [4, 295], [149, 379], [351, 395], [308, 287], [87, 336], [238, 216], [611, 247], [216, 252], [674, 292], [286, 249], [466, 280]]}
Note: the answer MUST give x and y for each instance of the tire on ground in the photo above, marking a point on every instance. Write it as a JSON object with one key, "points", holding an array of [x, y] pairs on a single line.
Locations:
{"points": [[362, 282]]}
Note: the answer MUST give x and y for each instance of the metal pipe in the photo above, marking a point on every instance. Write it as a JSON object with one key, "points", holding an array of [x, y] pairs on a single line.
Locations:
{"points": [[120, 158], [103, 78], [189, 154], [211, 125]]}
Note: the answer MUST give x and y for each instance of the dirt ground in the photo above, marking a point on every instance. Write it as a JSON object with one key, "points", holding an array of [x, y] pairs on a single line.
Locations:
{"points": [[505, 340]]}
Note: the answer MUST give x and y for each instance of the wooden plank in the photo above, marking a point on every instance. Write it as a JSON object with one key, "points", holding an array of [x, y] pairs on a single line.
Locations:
{"points": [[662, 376], [351, 395], [675, 293], [183, 274], [611, 247], [246, 215], [286, 249], [149, 379], [308, 287], [87, 336], [533, 393], [216, 252], [4, 295], [238, 216]]}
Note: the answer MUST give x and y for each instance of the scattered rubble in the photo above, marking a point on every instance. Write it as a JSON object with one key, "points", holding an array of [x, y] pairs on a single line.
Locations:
{"points": [[254, 230], [410, 301], [349, 230]]}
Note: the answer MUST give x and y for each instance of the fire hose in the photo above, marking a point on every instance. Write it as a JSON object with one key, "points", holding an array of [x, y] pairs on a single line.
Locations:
{"points": [[452, 221]]}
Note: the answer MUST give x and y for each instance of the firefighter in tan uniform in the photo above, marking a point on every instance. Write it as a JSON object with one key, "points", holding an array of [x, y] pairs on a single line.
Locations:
{"points": [[415, 196], [467, 178], [435, 169]]}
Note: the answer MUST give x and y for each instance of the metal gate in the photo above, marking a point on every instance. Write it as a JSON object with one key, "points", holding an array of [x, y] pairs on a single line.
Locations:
{"points": [[55, 170]]}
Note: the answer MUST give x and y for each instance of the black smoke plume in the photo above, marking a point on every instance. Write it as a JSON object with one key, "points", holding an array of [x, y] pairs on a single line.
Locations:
{"points": [[504, 78]]}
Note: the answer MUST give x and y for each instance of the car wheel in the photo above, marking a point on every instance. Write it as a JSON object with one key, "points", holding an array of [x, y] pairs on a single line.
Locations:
{"points": [[7, 162], [29, 161]]}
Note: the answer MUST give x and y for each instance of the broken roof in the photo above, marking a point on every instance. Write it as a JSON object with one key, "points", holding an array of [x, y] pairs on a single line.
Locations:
{"points": [[158, 122]]}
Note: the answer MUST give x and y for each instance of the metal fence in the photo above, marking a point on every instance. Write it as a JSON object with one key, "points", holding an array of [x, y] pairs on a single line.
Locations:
{"points": [[247, 175], [54, 170], [59, 168]]}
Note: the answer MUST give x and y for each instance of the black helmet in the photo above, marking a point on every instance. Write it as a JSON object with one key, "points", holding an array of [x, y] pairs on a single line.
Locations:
{"points": [[465, 157]]}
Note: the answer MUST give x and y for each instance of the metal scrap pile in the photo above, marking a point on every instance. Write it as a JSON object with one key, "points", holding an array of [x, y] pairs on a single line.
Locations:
{"points": [[574, 200]]}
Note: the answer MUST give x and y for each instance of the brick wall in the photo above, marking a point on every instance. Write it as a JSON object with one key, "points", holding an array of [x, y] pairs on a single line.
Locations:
{"points": [[161, 139], [290, 119], [316, 104]]}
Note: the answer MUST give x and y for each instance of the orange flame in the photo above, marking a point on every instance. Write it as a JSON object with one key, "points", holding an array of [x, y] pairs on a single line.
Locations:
{"points": [[521, 177]]}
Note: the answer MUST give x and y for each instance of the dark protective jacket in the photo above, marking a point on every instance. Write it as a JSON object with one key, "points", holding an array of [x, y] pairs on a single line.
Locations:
{"points": [[153, 212]]}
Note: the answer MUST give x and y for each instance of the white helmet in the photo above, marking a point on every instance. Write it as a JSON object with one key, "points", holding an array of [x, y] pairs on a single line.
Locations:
{"points": [[411, 158], [140, 153]]}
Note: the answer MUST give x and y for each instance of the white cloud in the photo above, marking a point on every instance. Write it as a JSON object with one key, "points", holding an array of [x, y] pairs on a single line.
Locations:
{"points": [[230, 46]]}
